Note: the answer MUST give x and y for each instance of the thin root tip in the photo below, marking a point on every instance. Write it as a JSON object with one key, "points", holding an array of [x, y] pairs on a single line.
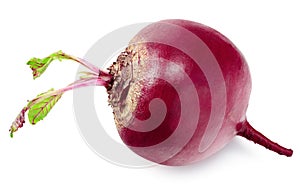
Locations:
{"points": [[289, 153], [245, 130]]}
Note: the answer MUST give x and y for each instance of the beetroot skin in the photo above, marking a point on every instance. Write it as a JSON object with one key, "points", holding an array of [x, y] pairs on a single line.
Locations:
{"points": [[179, 93], [149, 56]]}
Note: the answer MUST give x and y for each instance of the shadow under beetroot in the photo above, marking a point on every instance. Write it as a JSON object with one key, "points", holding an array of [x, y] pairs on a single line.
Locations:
{"points": [[233, 149]]}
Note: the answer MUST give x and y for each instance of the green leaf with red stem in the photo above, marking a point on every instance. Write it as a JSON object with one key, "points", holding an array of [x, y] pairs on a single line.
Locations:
{"points": [[40, 106], [39, 110], [39, 65]]}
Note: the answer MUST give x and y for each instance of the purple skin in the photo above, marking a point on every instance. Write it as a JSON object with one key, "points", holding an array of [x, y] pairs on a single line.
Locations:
{"points": [[157, 144]]}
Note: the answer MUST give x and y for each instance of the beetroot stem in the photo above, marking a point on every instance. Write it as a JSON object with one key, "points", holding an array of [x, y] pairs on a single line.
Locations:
{"points": [[90, 66], [245, 130], [40, 106]]}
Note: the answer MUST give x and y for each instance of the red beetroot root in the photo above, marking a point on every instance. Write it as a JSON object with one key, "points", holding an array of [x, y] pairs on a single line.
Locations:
{"points": [[179, 93]]}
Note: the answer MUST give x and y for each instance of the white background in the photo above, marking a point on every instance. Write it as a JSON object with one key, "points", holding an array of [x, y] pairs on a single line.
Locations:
{"points": [[53, 153]]}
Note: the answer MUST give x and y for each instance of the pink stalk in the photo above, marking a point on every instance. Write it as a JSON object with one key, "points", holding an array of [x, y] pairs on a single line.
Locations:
{"points": [[87, 65]]}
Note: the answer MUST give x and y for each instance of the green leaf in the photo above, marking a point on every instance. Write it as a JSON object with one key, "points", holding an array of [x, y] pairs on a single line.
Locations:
{"points": [[38, 65], [40, 109]]}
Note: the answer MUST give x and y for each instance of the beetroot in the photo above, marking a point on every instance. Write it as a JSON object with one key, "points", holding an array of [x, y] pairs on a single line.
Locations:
{"points": [[179, 93]]}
